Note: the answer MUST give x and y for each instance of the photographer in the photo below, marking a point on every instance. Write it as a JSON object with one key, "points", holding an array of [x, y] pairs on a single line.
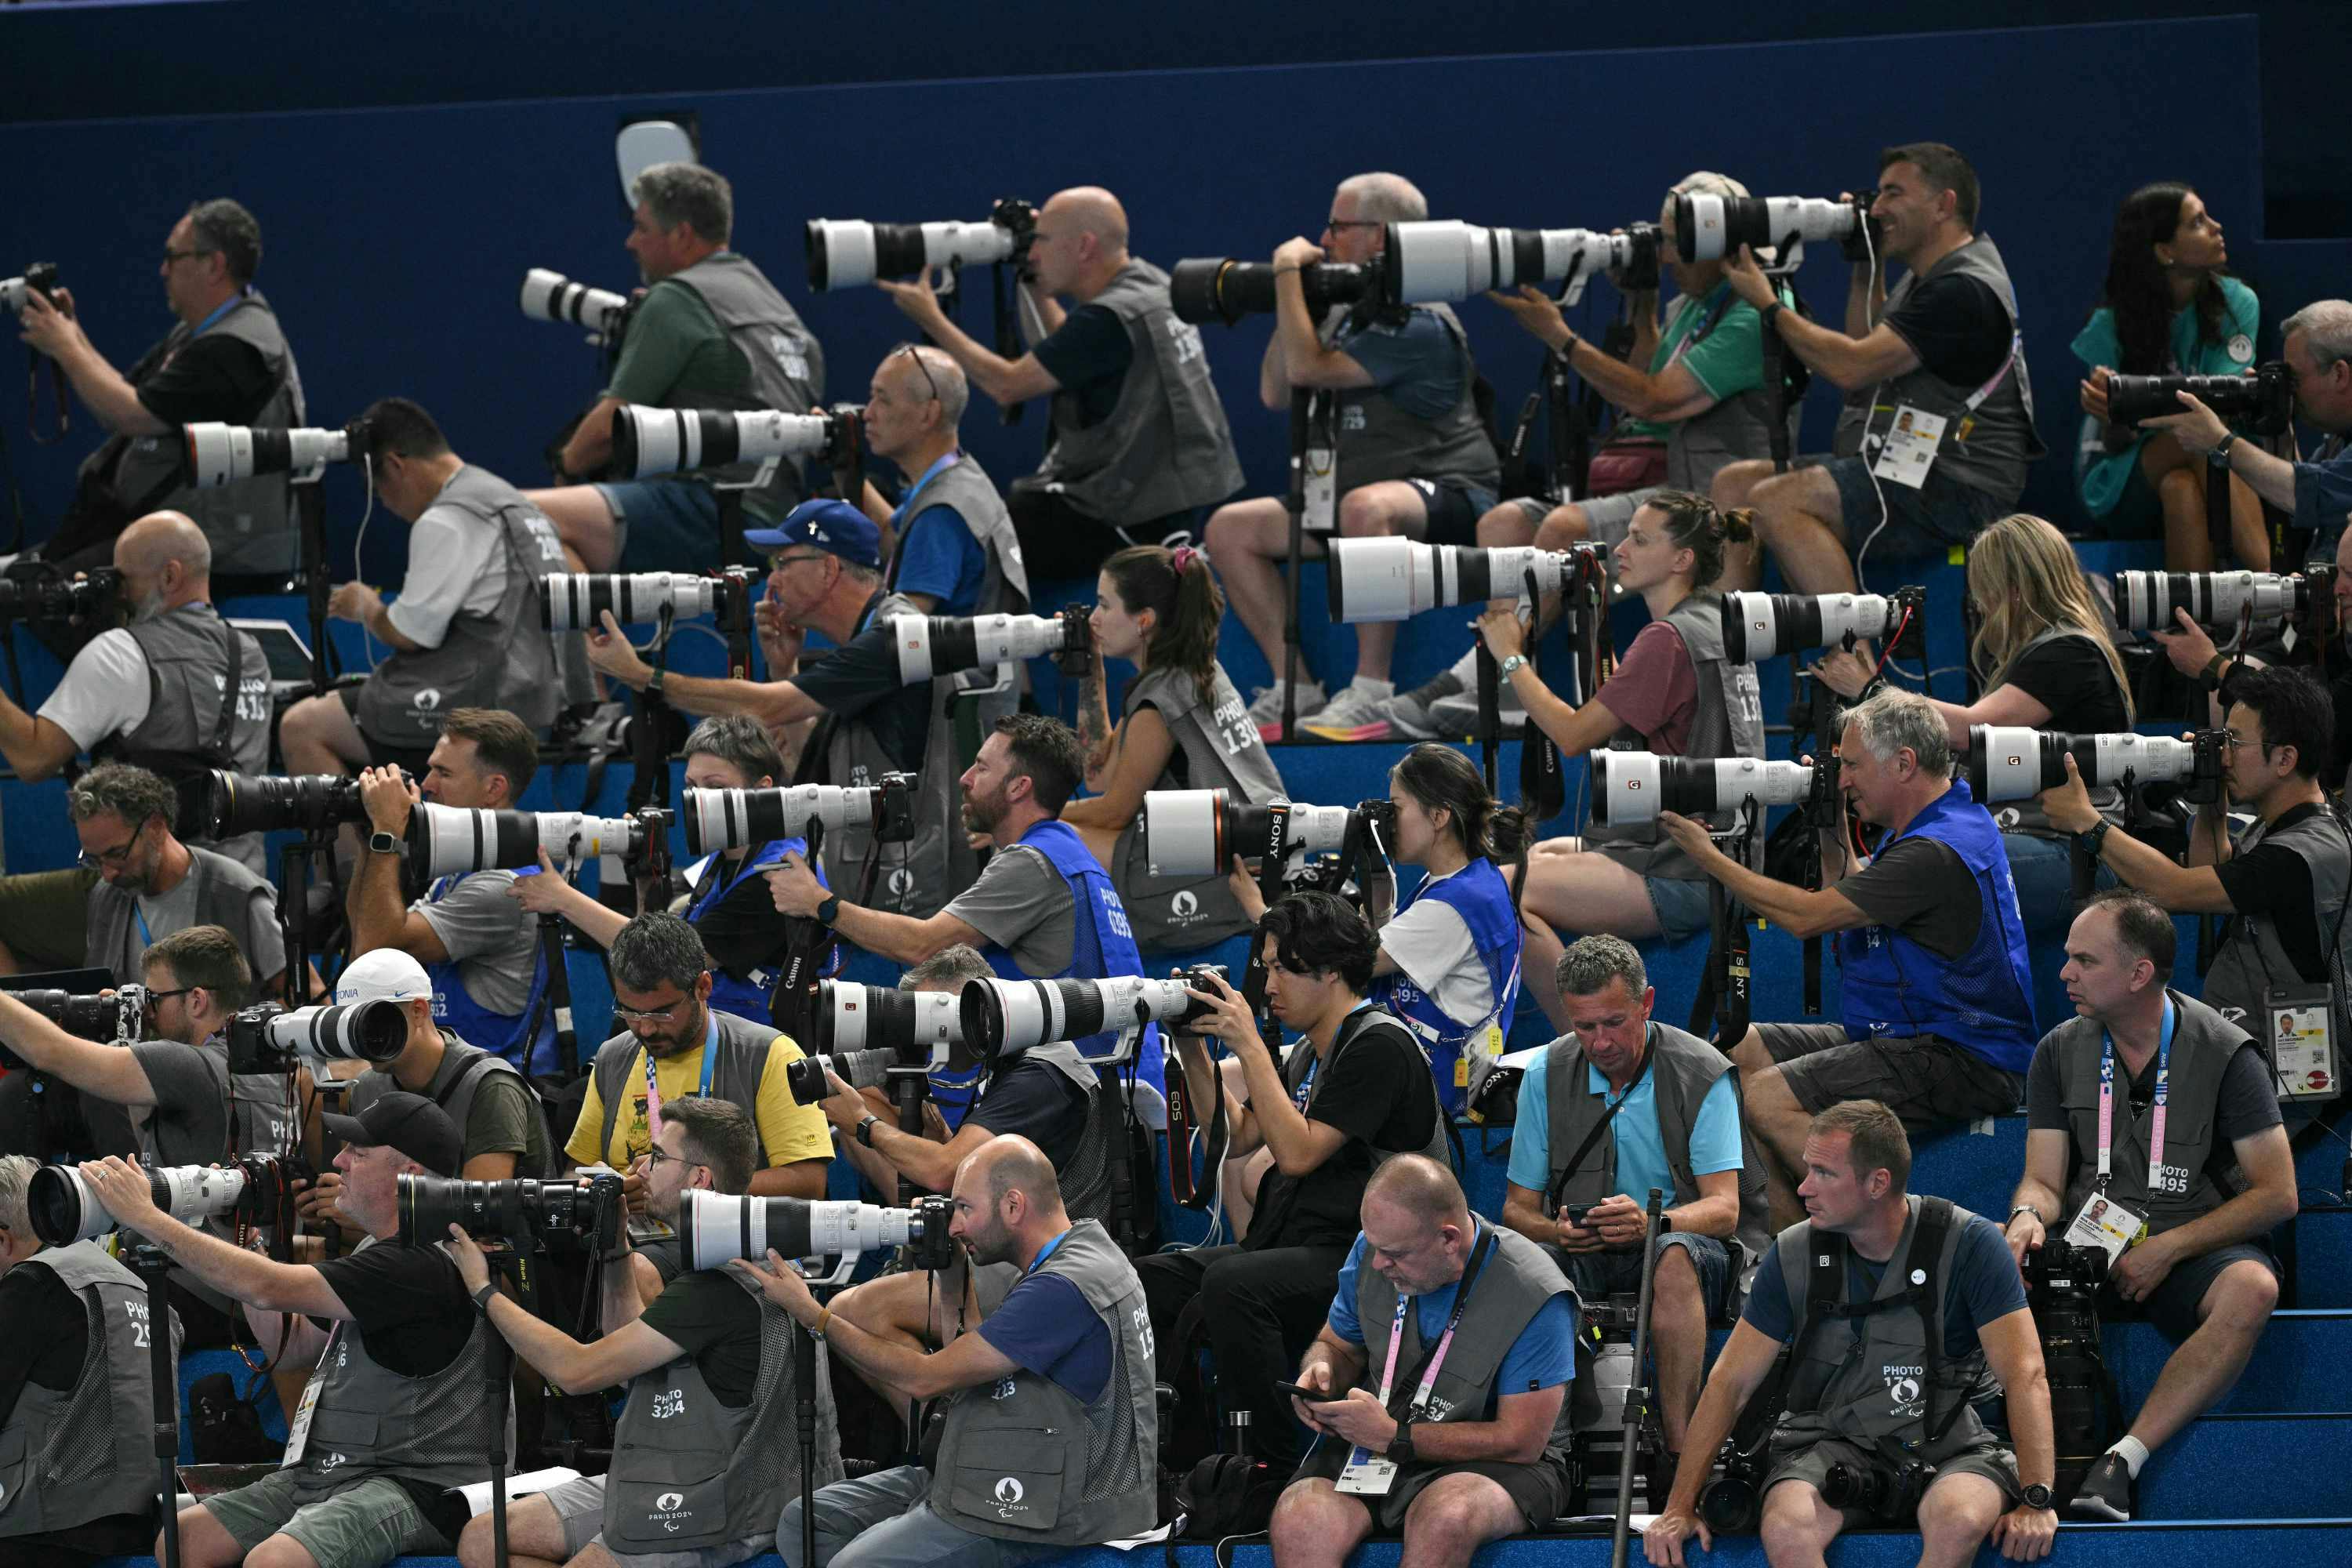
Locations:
{"points": [[1673, 693], [77, 1396], [2043, 652], [2169, 308], [2284, 882], [1353, 1092], [709, 332], [2317, 348], [954, 553], [228, 360], [1414, 455], [1883, 1392], [1481, 1462], [703, 1357], [150, 884], [1943, 354], [501, 1130], [1043, 910], [675, 1044], [1139, 443], [1061, 1451], [1181, 726], [397, 1412], [728, 904], [1939, 1018], [465, 631], [481, 951], [177, 691], [2190, 1197], [945, 972], [1621, 1105]]}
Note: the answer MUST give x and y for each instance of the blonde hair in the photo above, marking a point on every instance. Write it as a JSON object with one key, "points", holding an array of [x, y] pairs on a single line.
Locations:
{"points": [[2026, 580]]}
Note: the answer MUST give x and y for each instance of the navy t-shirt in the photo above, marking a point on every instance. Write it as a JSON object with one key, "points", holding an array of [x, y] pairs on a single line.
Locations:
{"points": [[1414, 361], [1045, 1327], [937, 555], [1983, 1288], [1089, 356]]}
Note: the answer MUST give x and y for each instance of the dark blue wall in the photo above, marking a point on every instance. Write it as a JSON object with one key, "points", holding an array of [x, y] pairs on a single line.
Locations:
{"points": [[397, 237]]}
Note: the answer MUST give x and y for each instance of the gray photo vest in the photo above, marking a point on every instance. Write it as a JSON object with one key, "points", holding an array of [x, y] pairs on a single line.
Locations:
{"points": [[1165, 447], [250, 523], [67, 1457], [223, 898], [1021, 1459], [2000, 439], [1738, 427], [198, 718], [1085, 1180], [2203, 1043], [2250, 959], [1865, 1380], [463, 1071], [917, 878], [1515, 1283], [367, 1421], [1221, 750], [1683, 1069], [964, 488], [1378, 440], [263, 1120], [1729, 722], [1302, 1056], [689, 1473], [787, 365], [742, 1060], [505, 660], [2027, 815]]}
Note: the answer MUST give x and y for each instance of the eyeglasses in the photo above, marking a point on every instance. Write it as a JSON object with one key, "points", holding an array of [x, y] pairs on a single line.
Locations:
{"points": [[1352, 223], [172, 255], [119, 855], [661, 1016], [778, 563], [909, 349], [157, 998], [654, 1156]]}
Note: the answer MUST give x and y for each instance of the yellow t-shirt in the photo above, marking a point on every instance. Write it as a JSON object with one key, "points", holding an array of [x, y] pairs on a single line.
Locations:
{"points": [[791, 1132]]}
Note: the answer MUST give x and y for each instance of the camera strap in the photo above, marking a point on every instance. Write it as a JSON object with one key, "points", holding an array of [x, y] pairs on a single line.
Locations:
{"points": [[1188, 1190], [1423, 1378], [1825, 1299], [1576, 1161]]}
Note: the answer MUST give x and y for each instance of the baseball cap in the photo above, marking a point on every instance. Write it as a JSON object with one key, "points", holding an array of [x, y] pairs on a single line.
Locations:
{"points": [[834, 527], [408, 1122], [386, 974]]}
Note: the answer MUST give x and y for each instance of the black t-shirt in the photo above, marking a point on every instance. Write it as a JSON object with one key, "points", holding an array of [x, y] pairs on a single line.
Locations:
{"points": [[211, 377], [2071, 677], [1919, 887], [1038, 1101], [740, 931], [1089, 355], [44, 1335], [859, 680], [410, 1302], [1377, 1092], [2247, 1104], [2273, 881], [1957, 327], [712, 1318]]}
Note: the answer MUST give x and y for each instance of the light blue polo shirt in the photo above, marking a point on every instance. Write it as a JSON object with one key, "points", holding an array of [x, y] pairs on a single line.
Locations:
{"points": [[1641, 1151]]}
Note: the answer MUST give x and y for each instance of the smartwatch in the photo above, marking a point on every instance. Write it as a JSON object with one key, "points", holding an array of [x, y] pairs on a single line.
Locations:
{"points": [[482, 1297], [1769, 311], [2028, 1208], [2094, 837], [2037, 1496], [2220, 456], [383, 843], [827, 912], [654, 681], [865, 1129], [1400, 1447]]}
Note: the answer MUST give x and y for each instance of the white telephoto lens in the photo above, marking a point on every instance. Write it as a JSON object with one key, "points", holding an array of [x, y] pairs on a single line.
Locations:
{"points": [[848, 246], [1180, 836]]}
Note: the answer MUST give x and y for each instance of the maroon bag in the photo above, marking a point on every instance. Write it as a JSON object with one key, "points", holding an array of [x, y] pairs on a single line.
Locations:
{"points": [[1627, 463]]}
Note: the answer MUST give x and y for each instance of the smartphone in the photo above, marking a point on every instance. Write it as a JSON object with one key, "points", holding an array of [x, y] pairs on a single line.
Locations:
{"points": [[1575, 1213], [1310, 1396]]}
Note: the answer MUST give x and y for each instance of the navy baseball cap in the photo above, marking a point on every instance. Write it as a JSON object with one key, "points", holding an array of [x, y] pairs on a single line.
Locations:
{"points": [[834, 527]]}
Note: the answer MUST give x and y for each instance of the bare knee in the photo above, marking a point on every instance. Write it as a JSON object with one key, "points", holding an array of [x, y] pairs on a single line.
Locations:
{"points": [[1676, 1283], [1505, 526], [1311, 1517], [1563, 526], [1790, 1521], [1735, 482], [1364, 515], [1962, 1507], [2243, 1297], [477, 1545], [2178, 487], [281, 1552]]}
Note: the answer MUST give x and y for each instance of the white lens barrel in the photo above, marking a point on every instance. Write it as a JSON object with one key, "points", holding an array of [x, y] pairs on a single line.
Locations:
{"points": [[1316, 829], [668, 440], [1033, 1012], [1385, 579], [965, 244], [549, 296], [848, 246], [191, 1193], [12, 294], [1702, 237], [767, 432], [1182, 832], [577, 836], [1809, 217], [219, 454], [1751, 627], [1576, 253], [1624, 787], [912, 636], [1440, 260], [1865, 616], [2011, 766]]}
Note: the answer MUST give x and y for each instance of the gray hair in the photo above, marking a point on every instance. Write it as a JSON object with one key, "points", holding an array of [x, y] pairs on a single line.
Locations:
{"points": [[15, 1184], [131, 794], [656, 949], [1706, 182], [955, 964], [1894, 721], [687, 193], [223, 226], [2326, 329], [1590, 962], [947, 379], [740, 741], [1386, 198]]}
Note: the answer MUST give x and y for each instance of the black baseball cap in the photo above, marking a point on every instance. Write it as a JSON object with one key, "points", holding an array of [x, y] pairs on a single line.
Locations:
{"points": [[408, 1122]]}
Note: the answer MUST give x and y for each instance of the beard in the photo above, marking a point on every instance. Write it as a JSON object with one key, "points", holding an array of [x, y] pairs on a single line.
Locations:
{"points": [[983, 812]]}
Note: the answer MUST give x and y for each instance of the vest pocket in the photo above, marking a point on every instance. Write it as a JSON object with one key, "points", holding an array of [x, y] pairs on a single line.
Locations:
{"points": [[15, 1473], [1023, 1490], [675, 1498]]}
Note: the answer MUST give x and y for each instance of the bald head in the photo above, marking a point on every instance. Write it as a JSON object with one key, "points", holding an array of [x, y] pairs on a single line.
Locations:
{"points": [[165, 562], [1010, 1164], [904, 377], [1089, 209], [1420, 1187]]}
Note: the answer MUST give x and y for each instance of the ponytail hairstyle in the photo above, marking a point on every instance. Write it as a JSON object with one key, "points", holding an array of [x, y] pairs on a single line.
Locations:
{"points": [[1182, 593], [1693, 523], [1443, 779]]}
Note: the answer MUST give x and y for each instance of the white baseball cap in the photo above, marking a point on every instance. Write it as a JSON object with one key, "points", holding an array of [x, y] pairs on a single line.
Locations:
{"points": [[386, 974]]}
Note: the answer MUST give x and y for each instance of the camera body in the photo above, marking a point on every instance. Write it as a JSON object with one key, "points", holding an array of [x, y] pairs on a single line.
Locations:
{"points": [[846, 252], [39, 276], [649, 441], [1393, 579], [1197, 832], [1889, 1493], [1758, 627], [881, 812], [41, 593], [577, 601], [2059, 1271], [2011, 763], [2264, 399], [2144, 601], [1203, 288], [930, 647], [566, 1215]]}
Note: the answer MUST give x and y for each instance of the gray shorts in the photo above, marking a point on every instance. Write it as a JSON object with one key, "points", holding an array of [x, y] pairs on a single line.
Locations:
{"points": [[1812, 1462], [363, 1525], [1927, 1081], [1683, 907], [1608, 516], [1927, 522], [1598, 1276], [579, 1505]]}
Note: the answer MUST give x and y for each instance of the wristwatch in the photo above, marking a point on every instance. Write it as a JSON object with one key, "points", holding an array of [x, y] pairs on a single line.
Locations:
{"points": [[2037, 1496], [654, 681], [827, 912], [383, 843], [2220, 456], [2027, 1208], [2211, 677], [1514, 661], [2092, 839], [1400, 1447], [482, 1297], [865, 1129], [1769, 311]]}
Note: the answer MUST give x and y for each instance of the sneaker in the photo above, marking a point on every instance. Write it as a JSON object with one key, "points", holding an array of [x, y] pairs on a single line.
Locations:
{"points": [[1355, 714], [1458, 715], [1266, 707], [1409, 712], [2105, 1492]]}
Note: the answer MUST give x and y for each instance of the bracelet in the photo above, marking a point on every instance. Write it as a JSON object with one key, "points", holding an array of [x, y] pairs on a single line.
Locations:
{"points": [[822, 1319]]}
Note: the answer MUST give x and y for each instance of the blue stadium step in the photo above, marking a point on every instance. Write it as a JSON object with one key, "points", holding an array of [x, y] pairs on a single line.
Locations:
{"points": [[1977, 1166], [2320, 1158], [2223, 1464], [2286, 1376], [2317, 1252]]}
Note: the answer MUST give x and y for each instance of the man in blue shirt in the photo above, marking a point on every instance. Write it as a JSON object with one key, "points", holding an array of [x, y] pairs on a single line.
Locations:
{"points": [[1582, 1194], [914, 407], [2318, 350]]}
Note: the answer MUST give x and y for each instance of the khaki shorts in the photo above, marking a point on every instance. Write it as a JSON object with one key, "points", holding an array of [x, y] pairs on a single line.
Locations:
{"points": [[364, 1525]]}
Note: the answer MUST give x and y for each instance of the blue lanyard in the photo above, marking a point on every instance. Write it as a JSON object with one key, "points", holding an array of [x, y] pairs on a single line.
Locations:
{"points": [[140, 916], [226, 306], [1302, 1093], [1046, 1251], [906, 506], [710, 1052], [2108, 1101]]}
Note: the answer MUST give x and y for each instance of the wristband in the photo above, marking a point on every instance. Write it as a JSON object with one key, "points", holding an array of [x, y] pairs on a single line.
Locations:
{"points": [[2211, 677], [822, 1320], [482, 1297], [865, 1129], [654, 681], [1769, 311]]}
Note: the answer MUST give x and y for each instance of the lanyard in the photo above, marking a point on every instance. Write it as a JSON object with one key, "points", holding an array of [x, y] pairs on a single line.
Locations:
{"points": [[653, 1085], [1304, 1095], [1437, 1358], [231, 303], [145, 938], [2107, 1101], [907, 505]]}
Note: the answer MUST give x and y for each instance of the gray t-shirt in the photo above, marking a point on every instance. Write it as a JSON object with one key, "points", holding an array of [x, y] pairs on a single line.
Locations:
{"points": [[454, 562], [494, 939], [190, 1122], [262, 941], [1022, 904]]}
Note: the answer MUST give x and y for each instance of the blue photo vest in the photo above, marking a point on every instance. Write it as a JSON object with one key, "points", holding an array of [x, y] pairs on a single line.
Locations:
{"points": [[1102, 945], [500, 1034], [1480, 896], [1980, 1001], [747, 996]]}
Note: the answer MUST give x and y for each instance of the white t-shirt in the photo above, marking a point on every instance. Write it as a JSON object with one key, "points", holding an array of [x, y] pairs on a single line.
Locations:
{"points": [[104, 692], [455, 562], [1432, 944]]}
